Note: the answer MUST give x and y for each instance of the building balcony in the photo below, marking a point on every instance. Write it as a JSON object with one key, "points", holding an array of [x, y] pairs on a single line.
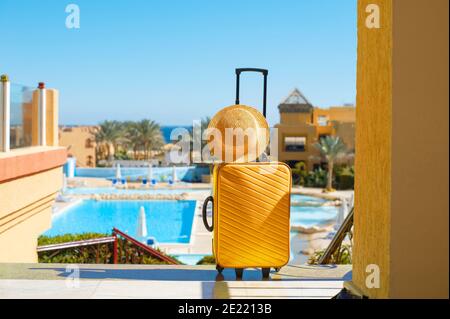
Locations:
{"points": [[30, 167]]}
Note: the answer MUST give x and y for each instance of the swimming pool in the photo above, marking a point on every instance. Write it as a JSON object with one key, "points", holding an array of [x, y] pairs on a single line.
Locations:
{"points": [[297, 198], [167, 221], [312, 216], [190, 259], [114, 190], [184, 173]]}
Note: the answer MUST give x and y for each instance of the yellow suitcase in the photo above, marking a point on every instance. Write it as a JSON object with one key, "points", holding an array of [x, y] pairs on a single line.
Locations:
{"points": [[251, 216], [251, 206]]}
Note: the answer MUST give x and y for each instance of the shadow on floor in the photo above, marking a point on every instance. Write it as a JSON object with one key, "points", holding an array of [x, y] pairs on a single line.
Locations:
{"points": [[155, 274], [183, 274]]}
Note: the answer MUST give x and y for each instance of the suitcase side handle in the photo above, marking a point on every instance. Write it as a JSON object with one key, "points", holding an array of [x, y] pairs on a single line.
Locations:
{"points": [[264, 72], [204, 214]]}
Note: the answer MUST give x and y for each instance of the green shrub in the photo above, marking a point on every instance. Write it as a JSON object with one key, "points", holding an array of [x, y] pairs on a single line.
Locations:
{"points": [[299, 174], [93, 254], [316, 178], [343, 256], [122, 155], [50, 240], [207, 260], [345, 178]]}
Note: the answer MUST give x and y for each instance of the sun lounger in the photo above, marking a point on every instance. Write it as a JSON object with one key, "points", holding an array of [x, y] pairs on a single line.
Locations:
{"points": [[151, 241], [63, 199]]}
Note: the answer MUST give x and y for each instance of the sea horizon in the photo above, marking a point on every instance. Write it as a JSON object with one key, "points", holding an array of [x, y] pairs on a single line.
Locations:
{"points": [[165, 129]]}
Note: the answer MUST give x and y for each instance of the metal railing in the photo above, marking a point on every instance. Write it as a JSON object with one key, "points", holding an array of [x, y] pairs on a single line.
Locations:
{"points": [[76, 244], [338, 239], [125, 250], [121, 253]]}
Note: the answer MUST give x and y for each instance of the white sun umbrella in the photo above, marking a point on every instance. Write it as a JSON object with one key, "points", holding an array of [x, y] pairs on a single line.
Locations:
{"points": [[118, 172], [150, 172], [142, 224], [342, 213], [345, 208], [64, 183], [351, 203], [174, 174]]}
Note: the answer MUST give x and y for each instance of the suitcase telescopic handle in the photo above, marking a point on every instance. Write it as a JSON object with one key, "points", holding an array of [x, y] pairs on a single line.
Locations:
{"points": [[204, 214], [264, 72]]}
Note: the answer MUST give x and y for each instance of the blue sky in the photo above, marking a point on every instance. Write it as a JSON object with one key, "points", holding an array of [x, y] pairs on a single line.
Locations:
{"points": [[173, 61]]}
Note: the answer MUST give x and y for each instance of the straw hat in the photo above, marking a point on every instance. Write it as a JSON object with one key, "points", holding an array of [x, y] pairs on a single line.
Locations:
{"points": [[250, 129]]}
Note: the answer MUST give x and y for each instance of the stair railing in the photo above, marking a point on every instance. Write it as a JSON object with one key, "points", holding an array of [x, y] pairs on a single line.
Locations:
{"points": [[338, 239]]}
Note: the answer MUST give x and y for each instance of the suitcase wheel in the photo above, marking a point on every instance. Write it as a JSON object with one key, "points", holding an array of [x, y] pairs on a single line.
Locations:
{"points": [[239, 272], [219, 269], [265, 272], [277, 269]]}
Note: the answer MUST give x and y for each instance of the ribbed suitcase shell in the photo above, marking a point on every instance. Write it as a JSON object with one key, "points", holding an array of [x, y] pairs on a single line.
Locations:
{"points": [[252, 215]]}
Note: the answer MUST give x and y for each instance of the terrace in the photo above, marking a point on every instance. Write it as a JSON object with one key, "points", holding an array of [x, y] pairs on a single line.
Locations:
{"points": [[401, 228], [31, 159], [160, 282]]}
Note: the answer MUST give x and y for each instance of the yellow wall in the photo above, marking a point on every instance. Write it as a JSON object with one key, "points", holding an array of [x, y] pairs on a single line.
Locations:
{"points": [[295, 118], [373, 149], [420, 113], [25, 213], [336, 113], [299, 130], [341, 123], [401, 182], [75, 139], [346, 131]]}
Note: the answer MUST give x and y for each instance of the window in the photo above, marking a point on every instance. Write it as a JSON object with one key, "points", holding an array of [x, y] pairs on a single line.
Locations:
{"points": [[89, 143], [294, 144], [89, 161], [322, 120]]}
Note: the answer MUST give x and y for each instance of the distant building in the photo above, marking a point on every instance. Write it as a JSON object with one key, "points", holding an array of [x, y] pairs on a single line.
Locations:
{"points": [[80, 143], [302, 125]]}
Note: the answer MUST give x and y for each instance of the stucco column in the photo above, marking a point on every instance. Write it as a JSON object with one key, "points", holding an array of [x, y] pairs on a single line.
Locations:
{"points": [[401, 185], [42, 114], [5, 105], [52, 100]]}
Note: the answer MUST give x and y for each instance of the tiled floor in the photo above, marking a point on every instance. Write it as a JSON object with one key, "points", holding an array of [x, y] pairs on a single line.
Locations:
{"points": [[139, 281]]}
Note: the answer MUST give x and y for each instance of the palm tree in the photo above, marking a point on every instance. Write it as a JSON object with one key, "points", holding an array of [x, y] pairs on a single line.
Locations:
{"points": [[204, 125], [148, 134], [108, 135], [331, 148], [131, 138]]}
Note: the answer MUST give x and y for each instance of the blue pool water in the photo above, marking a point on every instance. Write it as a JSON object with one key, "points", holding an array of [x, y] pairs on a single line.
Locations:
{"points": [[186, 173], [304, 198], [312, 216], [189, 259], [167, 221], [113, 190]]}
